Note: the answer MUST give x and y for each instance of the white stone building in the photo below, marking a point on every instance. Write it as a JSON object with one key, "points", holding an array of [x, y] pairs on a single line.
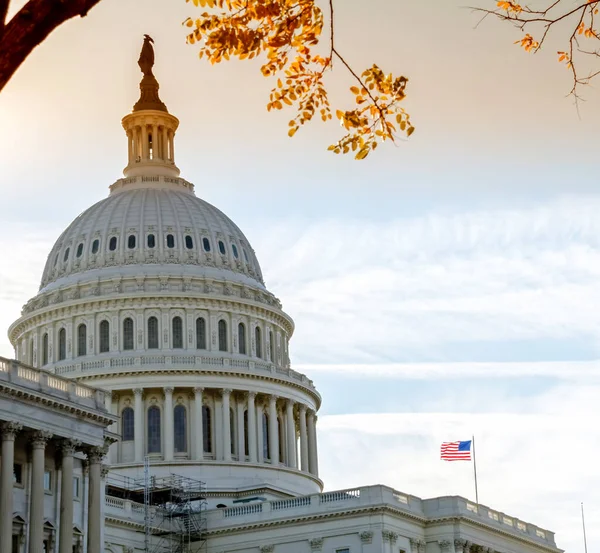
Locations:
{"points": [[156, 299]]}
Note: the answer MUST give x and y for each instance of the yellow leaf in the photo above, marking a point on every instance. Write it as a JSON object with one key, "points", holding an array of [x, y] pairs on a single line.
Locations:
{"points": [[354, 89], [292, 131]]}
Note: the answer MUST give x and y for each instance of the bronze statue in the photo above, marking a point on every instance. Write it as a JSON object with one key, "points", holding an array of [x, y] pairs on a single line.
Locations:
{"points": [[146, 60]]}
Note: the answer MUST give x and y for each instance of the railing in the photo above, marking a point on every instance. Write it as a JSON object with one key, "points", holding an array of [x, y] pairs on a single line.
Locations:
{"points": [[242, 510], [344, 495], [56, 385], [290, 503]]}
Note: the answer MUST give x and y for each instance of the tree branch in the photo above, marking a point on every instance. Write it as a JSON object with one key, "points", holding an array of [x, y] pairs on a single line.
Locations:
{"points": [[31, 26]]}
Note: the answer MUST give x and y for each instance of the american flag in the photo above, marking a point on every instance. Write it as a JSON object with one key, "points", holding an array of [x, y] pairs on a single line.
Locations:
{"points": [[456, 451]]}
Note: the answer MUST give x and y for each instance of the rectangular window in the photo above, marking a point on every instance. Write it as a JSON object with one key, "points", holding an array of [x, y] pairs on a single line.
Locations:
{"points": [[47, 481], [18, 474], [343, 550], [76, 487]]}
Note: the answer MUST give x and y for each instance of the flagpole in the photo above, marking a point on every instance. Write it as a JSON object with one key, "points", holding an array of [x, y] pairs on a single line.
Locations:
{"points": [[475, 473], [583, 523]]}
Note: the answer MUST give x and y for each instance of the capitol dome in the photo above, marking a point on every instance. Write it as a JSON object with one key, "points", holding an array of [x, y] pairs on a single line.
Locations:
{"points": [[157, 297]]}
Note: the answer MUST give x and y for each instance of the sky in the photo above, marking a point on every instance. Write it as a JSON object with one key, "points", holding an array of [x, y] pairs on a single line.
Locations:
{"points": [[444, 287]]}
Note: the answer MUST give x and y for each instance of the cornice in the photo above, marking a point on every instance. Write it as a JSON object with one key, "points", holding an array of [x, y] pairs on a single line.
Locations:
{"points": [[212, 372], [11, 390]]}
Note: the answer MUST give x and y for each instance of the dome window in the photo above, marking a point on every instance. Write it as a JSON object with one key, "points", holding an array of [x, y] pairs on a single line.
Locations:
{"points": [[112, 244], [189, 242], [131, 241], [79, 250], [66, 256], [170, 241], [235, 251], [222, 247], [245, 255], [56, 260], [206, 244], [151, 241], [95, 246]]}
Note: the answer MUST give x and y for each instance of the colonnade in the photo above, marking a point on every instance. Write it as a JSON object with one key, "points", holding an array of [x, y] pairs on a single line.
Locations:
{"points": [[148, 142], [38, 440], [254, 437]]}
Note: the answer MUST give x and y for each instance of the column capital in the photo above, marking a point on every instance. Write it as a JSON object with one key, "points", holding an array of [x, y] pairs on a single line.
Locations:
{"points": [[138, 391], [251, 395], [199, 390], [10, 429], [273, 398], [303, 408], [104, 470], [95, 454], [226, 391], [168, 390], [68, 447], [290, 402], [40, 438]]}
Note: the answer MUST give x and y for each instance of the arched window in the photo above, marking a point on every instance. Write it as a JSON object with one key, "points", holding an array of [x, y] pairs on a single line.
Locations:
{"points": [[128, 334], [154, 429], [246, 447], [222, 335], [127, 424], [257, 338], [206, 429], [271, 346], [234, 250], [180, 428], [104, 337], [131, 241], [242, 338], [170, 241], [189, 242], [79, 250], [206, 244], [151, 241], [45, 349], [177, 332], [265, 433], [152, 333], [62, 344], [232, 430], [66, 256], [81, 340], [112, 244], [200, 333], [222, 247], [245, 255], [95, 246]]}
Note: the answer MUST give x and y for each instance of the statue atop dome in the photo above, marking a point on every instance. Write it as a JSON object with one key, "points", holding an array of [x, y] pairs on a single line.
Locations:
{"points": [[146, 60], [149, 98]]}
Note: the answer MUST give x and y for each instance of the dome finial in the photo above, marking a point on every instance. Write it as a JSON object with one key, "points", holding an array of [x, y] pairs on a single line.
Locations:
{"points": [[149, 85]]}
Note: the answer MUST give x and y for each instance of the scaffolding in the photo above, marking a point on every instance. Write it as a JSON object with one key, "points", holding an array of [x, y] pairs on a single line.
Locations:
{"points": [[174, 510]]}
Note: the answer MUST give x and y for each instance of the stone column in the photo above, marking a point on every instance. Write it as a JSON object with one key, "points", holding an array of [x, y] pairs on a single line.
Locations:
{"points": [[260, 446], [273, 433], [313, 458], [39, 440], [291, 435], [172, 146], [8, 431], [241, 442], [145, 149], [155, 154], [199, 430], [303, 439], [65, 534], [226, 426], [252, 447], [169, 438], [165, 146], [94, 456], [138, 425]]}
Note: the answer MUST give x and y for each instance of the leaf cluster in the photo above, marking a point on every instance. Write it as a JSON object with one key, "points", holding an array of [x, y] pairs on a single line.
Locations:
{"points": [[285, 34]]}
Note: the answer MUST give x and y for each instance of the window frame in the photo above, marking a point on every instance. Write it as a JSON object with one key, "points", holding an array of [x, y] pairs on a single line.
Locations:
{"points": [[179, 433], [127, 424], [128, 334], [153, 334], [177, 332], [104, 338], [81, 339], [157, 437]]}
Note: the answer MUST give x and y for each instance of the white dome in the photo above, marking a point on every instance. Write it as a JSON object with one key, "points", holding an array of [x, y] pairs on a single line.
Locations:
{"points": [[157, 222]]}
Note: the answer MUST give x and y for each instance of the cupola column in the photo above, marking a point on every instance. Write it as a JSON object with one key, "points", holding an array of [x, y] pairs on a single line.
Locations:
{"points": [[226, 426], [273, 431], [313, 458], [169, 424], [291, 435], [199, 424], [252, 445], [164, 146], [303, 439], [241, 437], [138, 425], [155, 154]]}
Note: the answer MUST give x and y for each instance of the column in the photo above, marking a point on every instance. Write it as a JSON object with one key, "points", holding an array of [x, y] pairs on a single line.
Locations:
{"points": [[172, 146], [252, 447], [138, 425], [199, 430], [291, 435], [303, 439], [145, 148], [241, 435], [155, 142], [65, 535], [226, 426], [129, 146], [313, 464], [9, 431], [169, 439], [165, 146], [109, 398], [273, 433], [260, 446], [39, 440], [94, 456]]}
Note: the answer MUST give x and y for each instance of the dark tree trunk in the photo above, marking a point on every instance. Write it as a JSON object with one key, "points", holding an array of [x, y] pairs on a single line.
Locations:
{"points": [[30, 26]]}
